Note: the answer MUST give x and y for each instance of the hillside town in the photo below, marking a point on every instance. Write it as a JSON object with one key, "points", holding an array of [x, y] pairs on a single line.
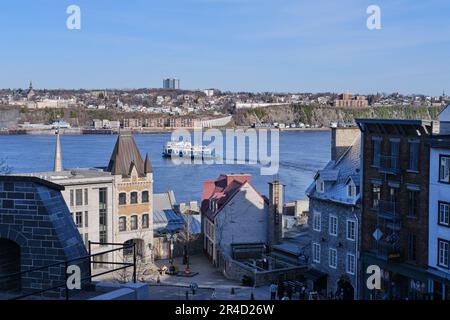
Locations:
{"points": [[382, 201]]}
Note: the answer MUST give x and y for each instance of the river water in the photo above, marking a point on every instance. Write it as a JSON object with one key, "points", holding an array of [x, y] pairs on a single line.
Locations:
{"points": [[301, 154]]}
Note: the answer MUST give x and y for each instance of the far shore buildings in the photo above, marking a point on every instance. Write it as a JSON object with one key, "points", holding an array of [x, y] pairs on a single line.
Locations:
{"points": [[335, 214], [112, 204], [347, 100]]}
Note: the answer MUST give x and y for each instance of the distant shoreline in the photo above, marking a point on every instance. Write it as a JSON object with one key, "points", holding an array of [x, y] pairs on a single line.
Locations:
{"points": [[81, 131]]}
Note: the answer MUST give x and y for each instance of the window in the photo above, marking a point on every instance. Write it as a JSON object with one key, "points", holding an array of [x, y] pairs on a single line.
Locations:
{"points": [[145, 198], [320, 186], [102, 237], [72, 200], [86, 215], [351, 230], [393, 195], [412, 242], [333, 227], [395, 150], [351, 263], [376, 193], [134, 198], [351, 190], [79, 197], [145, 221], [444, 214], [122, 223], [122, 198], [134, 222], [444, 169], [317, 225], [376, 151], [413, 203], [332, 258], [414, 156], [443, 252], [316, 252], [79, 219], [86, 197]]}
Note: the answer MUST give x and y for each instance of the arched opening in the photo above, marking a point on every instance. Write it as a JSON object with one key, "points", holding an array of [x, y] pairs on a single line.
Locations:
{"points": [[9, 264], [345, 290]]}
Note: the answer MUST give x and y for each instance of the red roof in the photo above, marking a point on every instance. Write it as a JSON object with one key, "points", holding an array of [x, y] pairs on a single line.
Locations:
{"points": [[221, 190]]}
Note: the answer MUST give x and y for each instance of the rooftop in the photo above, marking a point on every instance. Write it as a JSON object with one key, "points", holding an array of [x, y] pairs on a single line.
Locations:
{"points": [[74, 175]]}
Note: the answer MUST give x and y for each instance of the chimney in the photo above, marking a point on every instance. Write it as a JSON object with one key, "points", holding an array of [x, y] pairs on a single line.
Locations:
{"points": [[58, 159], [275, 212], [341, 140]]}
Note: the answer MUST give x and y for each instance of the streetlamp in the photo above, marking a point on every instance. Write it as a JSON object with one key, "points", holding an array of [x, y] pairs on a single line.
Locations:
{"points": [[171, 237]]}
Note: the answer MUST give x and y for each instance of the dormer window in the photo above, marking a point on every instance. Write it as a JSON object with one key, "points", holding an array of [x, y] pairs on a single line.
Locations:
{"points": [[320, 186], [351, 190]]}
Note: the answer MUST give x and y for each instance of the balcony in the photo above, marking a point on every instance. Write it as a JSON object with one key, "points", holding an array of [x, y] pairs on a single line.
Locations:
{"points": [[389, 210], [389, 164], [390, 252]]}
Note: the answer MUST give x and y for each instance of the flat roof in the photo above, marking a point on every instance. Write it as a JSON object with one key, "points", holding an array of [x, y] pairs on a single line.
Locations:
{"points": [[71, 175], [32, 179]]}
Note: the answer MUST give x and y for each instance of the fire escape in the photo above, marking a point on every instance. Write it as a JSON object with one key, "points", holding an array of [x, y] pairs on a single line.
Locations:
{"points": [[387, 232]]}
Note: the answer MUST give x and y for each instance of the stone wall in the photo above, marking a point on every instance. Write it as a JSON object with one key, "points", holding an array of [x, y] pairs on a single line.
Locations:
{"points": [[33, 214]]}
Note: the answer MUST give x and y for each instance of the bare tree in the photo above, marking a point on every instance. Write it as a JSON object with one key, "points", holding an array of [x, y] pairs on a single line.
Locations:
{"points": [[4, 168]]}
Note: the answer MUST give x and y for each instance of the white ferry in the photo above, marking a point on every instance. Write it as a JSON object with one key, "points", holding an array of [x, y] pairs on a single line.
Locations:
{"points": [[187, 150]]}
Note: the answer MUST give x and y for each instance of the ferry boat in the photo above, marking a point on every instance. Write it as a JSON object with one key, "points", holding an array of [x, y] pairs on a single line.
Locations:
{"points": [[186, 150]]}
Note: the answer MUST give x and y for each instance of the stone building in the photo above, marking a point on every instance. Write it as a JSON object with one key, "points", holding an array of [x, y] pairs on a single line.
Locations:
{"points": [[334, 215], [110, 205], [439, 219], [395, 192], [35, 230], [133, 195]]}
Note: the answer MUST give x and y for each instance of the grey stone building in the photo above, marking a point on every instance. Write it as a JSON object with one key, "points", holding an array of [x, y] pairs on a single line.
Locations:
{"points": [[334, 215], [36, 230]]}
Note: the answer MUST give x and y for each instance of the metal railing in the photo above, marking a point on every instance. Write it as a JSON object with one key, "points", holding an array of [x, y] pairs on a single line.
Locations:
{"points": [[389, 164], [389, 210], [88, 258]]}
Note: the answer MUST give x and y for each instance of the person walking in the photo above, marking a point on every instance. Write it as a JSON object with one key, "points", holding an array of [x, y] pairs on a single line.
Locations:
{"points": [[273, 291]]}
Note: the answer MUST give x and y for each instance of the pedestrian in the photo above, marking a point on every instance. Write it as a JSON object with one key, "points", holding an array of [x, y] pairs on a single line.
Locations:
{"points": [[273, 291], [213, 295], [289, 292], [280, 290]]}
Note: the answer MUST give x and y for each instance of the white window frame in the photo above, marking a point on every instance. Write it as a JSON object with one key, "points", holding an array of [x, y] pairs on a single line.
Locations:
{"points": [[443, 253], [332, 258], [316, 252], [333, 225], [317, 221], [353, 234], [351, 189], [444, 217], [351, 263]]}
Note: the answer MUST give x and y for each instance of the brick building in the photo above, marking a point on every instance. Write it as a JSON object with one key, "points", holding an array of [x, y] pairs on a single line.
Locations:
{"points": [[395, 188]]}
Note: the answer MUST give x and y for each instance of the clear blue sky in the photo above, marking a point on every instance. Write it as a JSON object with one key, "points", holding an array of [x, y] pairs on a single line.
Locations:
{"points": [[248, 45]]}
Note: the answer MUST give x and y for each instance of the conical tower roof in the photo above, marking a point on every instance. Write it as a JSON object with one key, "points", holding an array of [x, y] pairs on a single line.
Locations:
{"points": [[126, 154], [147, 165]]}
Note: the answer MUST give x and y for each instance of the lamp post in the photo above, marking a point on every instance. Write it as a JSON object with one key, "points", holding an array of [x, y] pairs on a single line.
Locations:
{"points": [[171, 237]]}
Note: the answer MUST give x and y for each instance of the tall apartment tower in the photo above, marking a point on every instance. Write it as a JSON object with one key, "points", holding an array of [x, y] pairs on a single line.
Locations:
{"points": [[275, 225], [171, 83]]}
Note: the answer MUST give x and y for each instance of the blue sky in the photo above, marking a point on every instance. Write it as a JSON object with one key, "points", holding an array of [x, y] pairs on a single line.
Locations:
{"points": [[238, 45]]}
